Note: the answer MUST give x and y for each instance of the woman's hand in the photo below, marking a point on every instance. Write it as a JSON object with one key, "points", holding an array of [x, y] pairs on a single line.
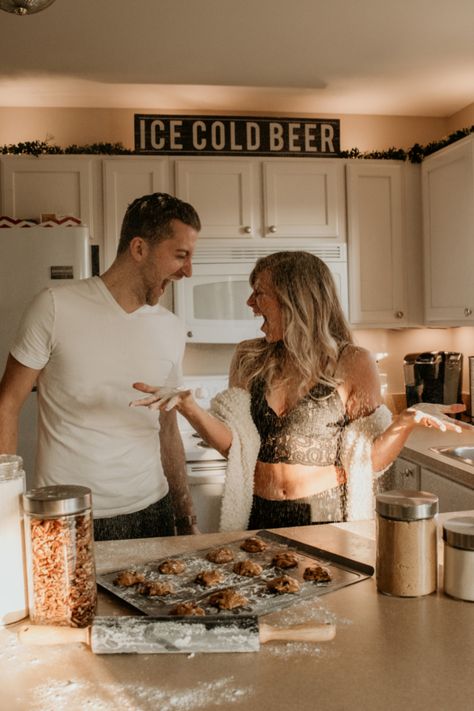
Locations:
{"points": [[160, 398], [436, 416]]}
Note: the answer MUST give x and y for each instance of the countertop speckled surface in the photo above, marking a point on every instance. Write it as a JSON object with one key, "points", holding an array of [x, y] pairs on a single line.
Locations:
{"points": [[388, 653], [419, 449]]}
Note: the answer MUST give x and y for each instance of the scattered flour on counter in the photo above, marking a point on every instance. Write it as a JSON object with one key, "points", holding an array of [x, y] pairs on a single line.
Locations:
{"points": [[71, 696]]}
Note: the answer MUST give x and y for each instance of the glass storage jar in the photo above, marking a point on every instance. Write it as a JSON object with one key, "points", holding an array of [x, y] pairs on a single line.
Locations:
{"points": [[458, 536], [13, 594], [60, 555], [406, 557]]}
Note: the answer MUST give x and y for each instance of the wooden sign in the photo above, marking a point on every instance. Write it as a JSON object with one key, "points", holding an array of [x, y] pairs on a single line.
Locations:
{"points": [[236, 135]]}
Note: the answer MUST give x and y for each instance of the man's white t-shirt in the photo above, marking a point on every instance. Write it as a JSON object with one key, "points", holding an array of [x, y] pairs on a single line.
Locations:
{"points": [[90, 352]]}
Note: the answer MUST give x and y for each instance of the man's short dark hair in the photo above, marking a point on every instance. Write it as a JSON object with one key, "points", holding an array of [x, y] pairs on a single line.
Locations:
{"points": [[150, 216]]}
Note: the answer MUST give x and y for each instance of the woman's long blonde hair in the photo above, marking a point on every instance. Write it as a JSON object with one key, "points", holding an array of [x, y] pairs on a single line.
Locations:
{"points": [[314, 326]]}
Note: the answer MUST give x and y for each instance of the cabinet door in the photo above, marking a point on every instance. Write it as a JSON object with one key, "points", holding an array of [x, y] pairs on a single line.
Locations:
{"points": [[377, 289], [48, 184], [304, 198], [405, 474], [448, 233], [224, 193], [452, 496], [124, 180]]}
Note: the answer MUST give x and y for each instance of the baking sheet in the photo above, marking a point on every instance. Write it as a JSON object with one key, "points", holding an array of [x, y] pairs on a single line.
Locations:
{"points": [[343, 571]]}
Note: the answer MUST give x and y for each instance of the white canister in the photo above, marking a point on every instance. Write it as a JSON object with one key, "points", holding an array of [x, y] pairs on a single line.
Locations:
{"points": [[13, 590], [458, 536]]}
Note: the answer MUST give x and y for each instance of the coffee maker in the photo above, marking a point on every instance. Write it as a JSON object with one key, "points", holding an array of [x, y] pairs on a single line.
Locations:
{"points": [[433, 376]]}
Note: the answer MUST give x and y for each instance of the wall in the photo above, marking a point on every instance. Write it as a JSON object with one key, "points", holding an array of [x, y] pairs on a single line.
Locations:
{"points": [[67, 126]]}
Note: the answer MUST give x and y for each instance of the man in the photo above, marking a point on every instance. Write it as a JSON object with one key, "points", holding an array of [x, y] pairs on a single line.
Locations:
{"points": [[83, 344]]}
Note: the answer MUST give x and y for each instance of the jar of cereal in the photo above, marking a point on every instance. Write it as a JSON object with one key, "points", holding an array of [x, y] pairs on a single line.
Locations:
{"points": [[60, 555]]}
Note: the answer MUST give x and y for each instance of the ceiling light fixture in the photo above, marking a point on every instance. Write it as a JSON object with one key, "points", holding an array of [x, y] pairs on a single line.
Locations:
{"points": [[24, 7]]}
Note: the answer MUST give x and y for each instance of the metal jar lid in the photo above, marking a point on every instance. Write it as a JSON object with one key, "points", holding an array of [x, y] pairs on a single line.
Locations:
{"points": [[459, 532], [406, 504], [11, 466], [58, 500]]}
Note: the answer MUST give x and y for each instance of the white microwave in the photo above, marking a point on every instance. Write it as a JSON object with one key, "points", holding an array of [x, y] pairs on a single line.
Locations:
{"points": [[212, 302]]}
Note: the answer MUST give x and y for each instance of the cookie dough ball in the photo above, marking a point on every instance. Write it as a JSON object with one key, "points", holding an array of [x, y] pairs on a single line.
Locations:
{"points": [[227, 599], [208, 578], [285, 560], [155, 589], [127, 578], [172, 567], [284, 584], [248, 568], [220, 555], [254, 545], [317, 574], [187, 608]]}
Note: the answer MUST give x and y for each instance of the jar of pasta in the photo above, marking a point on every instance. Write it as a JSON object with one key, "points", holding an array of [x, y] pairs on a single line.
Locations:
{"points": [[60, 555], [406, 558]]}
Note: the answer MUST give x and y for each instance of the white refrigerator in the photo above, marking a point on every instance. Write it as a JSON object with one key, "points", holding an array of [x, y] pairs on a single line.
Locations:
{"points": [[32, 258]]}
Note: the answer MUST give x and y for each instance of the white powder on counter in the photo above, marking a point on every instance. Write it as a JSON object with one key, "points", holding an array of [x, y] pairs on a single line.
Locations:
{"points": [[72, 695]]}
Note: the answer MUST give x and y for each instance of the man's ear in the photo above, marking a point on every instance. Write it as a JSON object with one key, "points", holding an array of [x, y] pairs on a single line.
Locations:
{"points": [[138, 248]]}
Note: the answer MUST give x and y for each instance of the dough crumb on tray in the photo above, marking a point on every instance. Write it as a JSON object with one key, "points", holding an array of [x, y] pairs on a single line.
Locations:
{"points": [[220, 555], [227, 599], [283, 584]]}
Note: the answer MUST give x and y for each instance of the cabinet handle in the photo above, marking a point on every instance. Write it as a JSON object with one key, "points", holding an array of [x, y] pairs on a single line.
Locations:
{"points": [[399, 314], [189, 334], [272, 229], [467, 311], [248, 230]]}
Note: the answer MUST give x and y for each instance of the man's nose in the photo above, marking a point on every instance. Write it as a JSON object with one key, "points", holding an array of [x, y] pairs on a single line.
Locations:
{"points": [[187, 268]]}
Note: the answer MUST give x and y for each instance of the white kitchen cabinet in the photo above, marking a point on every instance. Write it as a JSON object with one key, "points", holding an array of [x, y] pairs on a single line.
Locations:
{"points": [[404, 474], [61, 185], [448, 235], [285, 199], [304, 199], [384, 243], [124, 179], [452, 496]]}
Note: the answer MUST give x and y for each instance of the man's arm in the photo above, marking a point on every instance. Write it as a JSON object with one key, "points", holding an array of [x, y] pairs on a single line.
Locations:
{"points": [[174, 466], [15, 386]]}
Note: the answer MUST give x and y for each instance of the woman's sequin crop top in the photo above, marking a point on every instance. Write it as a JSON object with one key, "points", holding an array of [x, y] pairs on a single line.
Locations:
{"points": [[309, 434]]}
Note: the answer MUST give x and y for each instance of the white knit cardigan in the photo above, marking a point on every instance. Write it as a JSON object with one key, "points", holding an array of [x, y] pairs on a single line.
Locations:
{"points": [[232, 406]]}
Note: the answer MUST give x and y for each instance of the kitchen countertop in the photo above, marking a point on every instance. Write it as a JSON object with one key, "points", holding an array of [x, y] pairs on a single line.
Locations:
{"points": [[418, 450], [388, 653]]}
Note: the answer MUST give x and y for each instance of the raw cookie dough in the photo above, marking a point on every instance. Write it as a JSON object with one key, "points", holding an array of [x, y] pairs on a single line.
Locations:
{"points": [[187, 608], [154, 589], [254, 545], [248, 568], [209, 578], [317, 574], [285, 584], [285, 560], [227, 599], [220, 555], [127, 578], [172, 567]]}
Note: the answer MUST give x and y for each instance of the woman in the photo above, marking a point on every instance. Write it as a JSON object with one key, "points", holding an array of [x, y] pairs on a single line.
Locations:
{"points": [[302, 424]]}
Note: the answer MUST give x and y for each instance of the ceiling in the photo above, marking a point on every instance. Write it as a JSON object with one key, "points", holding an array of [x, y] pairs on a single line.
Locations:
{"points": [[405, 58]]}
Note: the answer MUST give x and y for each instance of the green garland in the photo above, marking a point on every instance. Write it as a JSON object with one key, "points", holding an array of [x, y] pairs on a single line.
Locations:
{"points": [[415, 154]]}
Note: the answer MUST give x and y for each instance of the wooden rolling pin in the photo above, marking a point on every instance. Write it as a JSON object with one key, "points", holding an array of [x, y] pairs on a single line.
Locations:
{"points": [[151, 635]]}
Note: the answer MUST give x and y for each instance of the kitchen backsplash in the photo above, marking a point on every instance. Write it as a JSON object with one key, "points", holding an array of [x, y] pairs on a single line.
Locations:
{"points": [[202, 359]]}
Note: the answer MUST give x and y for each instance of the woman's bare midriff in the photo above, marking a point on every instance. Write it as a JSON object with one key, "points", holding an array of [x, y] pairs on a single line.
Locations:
{"points": [[294, 481]]}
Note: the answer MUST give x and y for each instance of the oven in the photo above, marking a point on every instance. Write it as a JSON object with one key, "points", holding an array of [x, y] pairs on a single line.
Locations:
{"points": [[205, 466]]}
